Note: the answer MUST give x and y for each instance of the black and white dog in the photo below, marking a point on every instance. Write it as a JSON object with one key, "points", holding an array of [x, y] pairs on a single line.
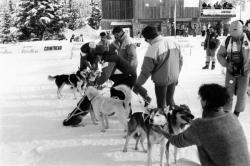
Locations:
{"points": [[74, 80], [141, 125], [82, 108]]}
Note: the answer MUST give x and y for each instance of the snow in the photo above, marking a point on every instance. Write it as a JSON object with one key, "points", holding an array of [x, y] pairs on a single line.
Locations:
{"points": [[31, 130]]}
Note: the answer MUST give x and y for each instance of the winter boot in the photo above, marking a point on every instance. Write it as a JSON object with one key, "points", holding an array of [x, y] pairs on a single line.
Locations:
{"points": [[236, 113], [213, 66], [206, 66]]}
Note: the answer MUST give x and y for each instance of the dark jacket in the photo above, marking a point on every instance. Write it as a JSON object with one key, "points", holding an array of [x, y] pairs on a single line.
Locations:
{"points": [[88, 57], [115, 62], [220, 141], [211, 41]]}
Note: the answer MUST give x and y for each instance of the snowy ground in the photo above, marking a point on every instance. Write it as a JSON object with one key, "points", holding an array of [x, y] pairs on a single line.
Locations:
{"points": [[31, 131]]}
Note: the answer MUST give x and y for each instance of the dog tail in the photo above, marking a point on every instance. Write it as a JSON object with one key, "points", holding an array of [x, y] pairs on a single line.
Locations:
{"points": [[128, 96], [126, 91], [51, 78]]}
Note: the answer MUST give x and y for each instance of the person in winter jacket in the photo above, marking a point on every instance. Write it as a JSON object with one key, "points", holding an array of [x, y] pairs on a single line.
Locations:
{"points": [[88, 58], [104, 41], [218, 135], [125, 47], [235, 56], [163, 62], [127, 50], [247, 30], [210, 45], [119, 71]]}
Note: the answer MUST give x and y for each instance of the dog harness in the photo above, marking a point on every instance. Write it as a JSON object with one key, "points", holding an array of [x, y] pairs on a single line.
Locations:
{"points": [[78, 79], [77, 106]]}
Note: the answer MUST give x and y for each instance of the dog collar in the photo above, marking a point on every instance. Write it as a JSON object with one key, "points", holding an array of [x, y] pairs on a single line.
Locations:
{"points": [[92, 98]]}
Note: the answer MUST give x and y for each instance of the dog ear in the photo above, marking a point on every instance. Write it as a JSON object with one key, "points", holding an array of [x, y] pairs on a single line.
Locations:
{"points": [[82, 73], [150, 110], [185, 107]]}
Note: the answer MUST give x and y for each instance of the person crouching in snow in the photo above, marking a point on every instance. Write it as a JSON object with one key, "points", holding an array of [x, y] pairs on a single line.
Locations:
{"points": [[163, 62], [218, 135], [210, 45], [87, 58], [119, 71]]}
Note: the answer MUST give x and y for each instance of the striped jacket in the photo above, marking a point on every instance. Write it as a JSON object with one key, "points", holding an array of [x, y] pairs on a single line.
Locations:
{"points": [[163, 62]]}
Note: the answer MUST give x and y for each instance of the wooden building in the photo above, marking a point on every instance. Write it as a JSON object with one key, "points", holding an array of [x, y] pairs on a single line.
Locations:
{"points": [[135, 14]]}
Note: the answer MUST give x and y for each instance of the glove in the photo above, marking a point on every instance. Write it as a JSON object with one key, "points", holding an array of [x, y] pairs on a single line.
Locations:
{"points": [[136, 88], [104, 55]]}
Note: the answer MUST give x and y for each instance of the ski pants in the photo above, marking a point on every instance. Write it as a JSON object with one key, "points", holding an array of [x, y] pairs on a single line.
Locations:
{"points": [[237, 86], [165, 95], [210, 55]]}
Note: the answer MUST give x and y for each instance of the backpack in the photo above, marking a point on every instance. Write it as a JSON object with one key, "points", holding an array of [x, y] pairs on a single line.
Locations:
{"points": [[229, 37]]}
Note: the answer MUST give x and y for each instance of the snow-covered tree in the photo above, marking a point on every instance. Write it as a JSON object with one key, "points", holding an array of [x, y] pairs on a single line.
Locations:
{"points": [[6, 23], [74, 16], [11, 8], [37, 17], [96, 16]]}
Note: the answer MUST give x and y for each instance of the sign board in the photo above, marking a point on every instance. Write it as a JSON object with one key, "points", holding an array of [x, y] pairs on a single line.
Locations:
{"points": [[126, 30], [222, 12], [37, 47], [191, 3]]}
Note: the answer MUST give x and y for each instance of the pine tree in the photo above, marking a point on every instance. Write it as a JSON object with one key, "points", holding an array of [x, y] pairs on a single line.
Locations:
{"points": [[96, 16], [11, 9], [74, 16], [38, 17], [5, 27]]}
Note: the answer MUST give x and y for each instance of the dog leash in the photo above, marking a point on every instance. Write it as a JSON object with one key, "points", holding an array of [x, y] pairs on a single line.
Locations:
{"points": [[145, 118], [170, 129]]}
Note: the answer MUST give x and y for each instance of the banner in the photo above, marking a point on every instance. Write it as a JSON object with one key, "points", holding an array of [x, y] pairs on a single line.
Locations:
{"points": [[191, 3], [211, 12], [37, 47]]}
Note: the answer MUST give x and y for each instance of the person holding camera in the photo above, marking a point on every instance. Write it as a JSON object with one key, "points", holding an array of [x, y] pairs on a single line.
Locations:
{"points": [[234, 54], [210, 45]]}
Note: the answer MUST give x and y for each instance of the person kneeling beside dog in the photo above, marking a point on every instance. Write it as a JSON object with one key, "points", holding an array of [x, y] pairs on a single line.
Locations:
{"points": [[219, 136], [127, 76]]}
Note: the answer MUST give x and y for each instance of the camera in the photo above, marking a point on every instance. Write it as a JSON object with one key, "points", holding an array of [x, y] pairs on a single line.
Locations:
{"points": [[236, 60]]}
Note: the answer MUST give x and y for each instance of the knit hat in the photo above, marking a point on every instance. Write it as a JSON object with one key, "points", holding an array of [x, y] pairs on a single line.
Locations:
{"points": [[236, 29], [149, 32]]}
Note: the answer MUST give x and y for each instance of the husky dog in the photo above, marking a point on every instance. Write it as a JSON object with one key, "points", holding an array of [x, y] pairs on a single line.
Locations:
{"points": [[104, 106], [74, 80], [141, 126]]}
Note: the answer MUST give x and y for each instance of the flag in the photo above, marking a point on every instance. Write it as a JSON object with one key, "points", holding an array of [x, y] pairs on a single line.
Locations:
{"points": [[191, 3]]}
